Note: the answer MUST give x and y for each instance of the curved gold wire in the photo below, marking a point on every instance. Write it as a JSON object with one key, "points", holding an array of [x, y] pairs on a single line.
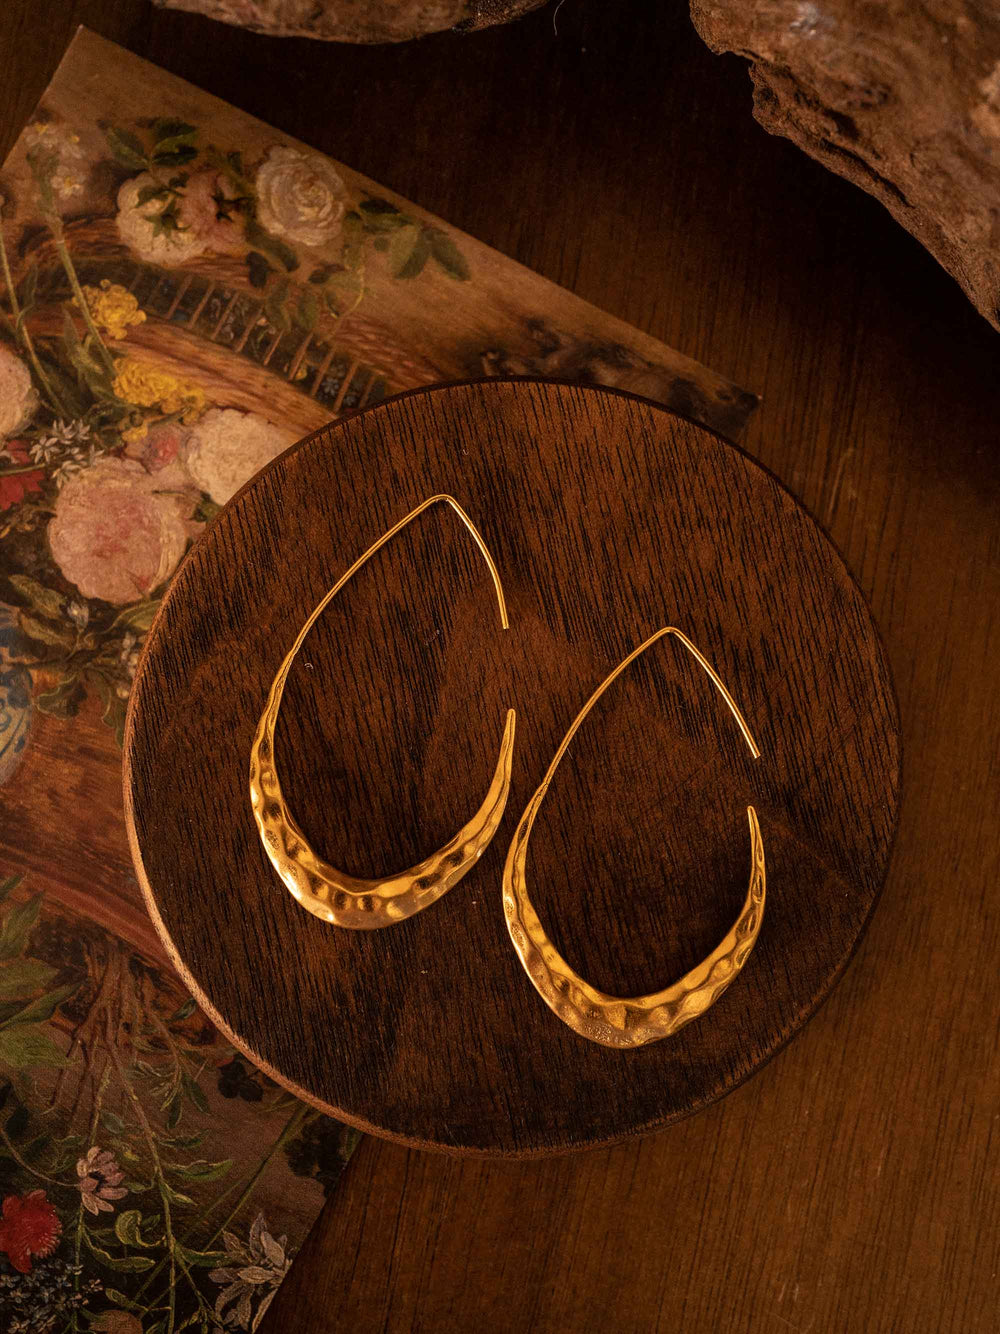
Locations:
{"points": [[336, 897], [619, 1021]]}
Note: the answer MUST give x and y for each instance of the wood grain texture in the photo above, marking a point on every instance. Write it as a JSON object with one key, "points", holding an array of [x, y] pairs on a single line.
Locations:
{"points": [[608, 517], [852, 1185]]}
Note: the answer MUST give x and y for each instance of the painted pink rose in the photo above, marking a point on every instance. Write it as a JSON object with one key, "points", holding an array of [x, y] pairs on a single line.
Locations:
{"points": [[115, 534], [18, 399], [207, 209], [116, 1322], [160, 446]]}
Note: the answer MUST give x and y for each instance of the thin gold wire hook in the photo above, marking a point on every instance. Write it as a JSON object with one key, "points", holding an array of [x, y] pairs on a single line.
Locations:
{"points": [[626, 662], [620, 1021], [329, 893]]}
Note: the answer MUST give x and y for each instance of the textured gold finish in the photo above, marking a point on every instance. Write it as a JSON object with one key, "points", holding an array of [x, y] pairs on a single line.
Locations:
{"points": [[619, 1021], [336, 897]]}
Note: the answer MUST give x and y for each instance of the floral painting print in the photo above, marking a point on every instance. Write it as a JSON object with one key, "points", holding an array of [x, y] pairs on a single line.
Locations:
{"points": [[116, 453], [184, 292], [128, 1202]]}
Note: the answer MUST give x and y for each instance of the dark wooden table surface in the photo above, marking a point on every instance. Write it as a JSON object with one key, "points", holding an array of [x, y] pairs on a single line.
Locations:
{"points": [[853, 1184]]}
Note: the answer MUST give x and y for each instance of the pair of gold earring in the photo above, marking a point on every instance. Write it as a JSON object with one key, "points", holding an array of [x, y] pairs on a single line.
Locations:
{"points": [[348, 901]]}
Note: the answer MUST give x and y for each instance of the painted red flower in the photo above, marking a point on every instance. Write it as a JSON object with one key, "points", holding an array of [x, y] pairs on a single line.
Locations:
{"points": [[14, 486], [30, 1227]]}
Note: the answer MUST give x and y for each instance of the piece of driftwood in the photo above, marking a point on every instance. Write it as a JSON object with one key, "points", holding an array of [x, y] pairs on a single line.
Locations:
{"points": [[608, 517], [356, 20], [901, 99]]}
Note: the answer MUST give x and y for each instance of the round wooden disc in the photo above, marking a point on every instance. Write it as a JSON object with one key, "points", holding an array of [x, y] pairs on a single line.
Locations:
{"points": [[607, 517]]}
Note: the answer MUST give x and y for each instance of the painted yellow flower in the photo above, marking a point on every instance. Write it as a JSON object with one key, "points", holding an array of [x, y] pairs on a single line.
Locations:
{"points": [[147, 386], [113, 308], [134, 434]]}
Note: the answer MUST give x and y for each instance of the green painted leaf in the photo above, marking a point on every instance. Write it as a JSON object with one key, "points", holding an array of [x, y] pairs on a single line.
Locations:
{"points": [[37, 1011], [205, 1259], [133, 1264], [353, 231], [119, 1299], [170, 127], [136, 1185], [324, 273], [194, 1093], [91, 374], [28, 288], [128, 148], [381, 216], [258, 269], [63, 700], [44, 600], [150, 192], [113, 1123], [9, 1008], [140, 616], [26, 1045], [17, 924], [44, 632], [343, 283], [24, 976], [9, 884], [67, 389], [409, 252], [307, 310], [205, 510], [114, 707], [201, 1171], [130, 1264], [71, 338], [167, 222], [379, 208], [263, 240], [175, 1196], [274, 305], [127, 1229], [447, 254], [184, 1012], [173, 1110], [174, 153], [182, 1141]]}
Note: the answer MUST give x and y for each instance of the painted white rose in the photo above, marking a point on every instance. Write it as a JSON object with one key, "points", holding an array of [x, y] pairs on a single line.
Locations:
{"points": [[227, 446], [300, 197], [117, 533], [18, 399], [138, 227]]}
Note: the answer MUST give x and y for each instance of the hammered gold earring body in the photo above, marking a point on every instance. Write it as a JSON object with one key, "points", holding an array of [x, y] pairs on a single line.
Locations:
{"points": [[619, 1021], [329, 893]]}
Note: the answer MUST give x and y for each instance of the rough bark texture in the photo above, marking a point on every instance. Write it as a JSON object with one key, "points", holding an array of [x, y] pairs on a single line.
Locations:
{"points": [[902, 98], [356, 20]]}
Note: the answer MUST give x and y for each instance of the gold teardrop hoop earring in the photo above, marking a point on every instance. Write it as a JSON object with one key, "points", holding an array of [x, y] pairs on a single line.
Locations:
{"points": [[336, 897], [619, 1021]]}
